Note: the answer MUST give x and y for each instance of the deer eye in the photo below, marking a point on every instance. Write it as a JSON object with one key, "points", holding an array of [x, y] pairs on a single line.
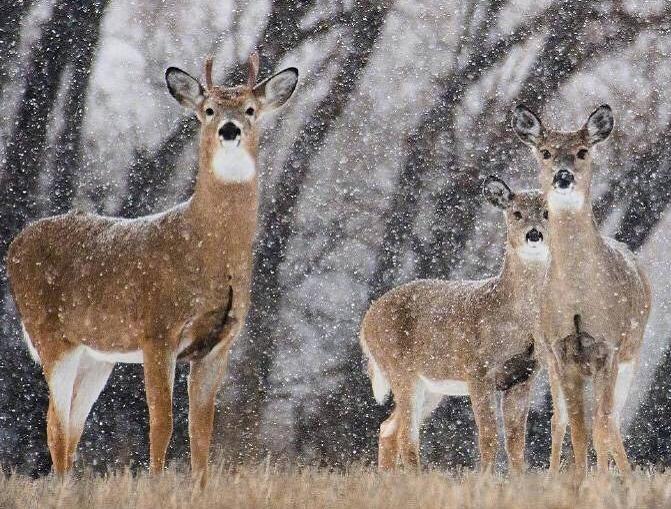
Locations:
{"points": [[582, 153], [249, 111], [209, 112], [546, 154], [545, 214], [517, 214]]}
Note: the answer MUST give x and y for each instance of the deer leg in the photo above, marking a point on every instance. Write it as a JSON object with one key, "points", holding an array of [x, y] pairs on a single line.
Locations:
{"points": [[515, 406], [559, 418], [159, 376], [407, 439], [60, 375], [484, 409], [617, 448], [625, 375], [573, 388], [609, 408], [387, 454], [92, 375], [600, 424], [410, 406], [205, 378]]}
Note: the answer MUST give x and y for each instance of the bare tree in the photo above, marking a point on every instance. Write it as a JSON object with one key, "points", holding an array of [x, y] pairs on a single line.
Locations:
{"points": [[279, 218], [649, 192], [68, 158], [13, 14], [25, 149]]}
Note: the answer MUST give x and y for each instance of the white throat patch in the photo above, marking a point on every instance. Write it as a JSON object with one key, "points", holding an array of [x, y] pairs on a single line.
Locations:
{"points": [[569, 199], [538, 252], [233, 164]]}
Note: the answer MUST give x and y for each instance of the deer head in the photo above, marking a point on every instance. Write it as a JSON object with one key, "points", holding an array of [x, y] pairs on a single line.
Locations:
{"points": [[526, 219], [229, 115], [564, 157]]}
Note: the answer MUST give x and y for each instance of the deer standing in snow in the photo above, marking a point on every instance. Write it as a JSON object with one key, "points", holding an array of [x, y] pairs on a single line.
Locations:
{"points": [[431, 338], [596, 298], [92, 291]]}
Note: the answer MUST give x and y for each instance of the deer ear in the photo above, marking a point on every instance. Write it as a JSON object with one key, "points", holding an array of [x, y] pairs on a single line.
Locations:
{"points": [[599, 124], [185, 88], [497, 192], [276, 90], [527, 125]]}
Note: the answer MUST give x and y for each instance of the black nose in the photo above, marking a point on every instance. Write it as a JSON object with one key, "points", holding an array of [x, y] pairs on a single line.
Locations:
{"points": [[563, 179], [229, 131], [534, 235]]}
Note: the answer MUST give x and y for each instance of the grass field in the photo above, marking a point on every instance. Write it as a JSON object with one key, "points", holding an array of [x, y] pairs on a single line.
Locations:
{"points": [[310, 488]]}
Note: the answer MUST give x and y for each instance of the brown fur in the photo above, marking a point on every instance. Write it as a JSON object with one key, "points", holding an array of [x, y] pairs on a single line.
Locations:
{"points": [[158, 284], [591, 276], [459, 330]]}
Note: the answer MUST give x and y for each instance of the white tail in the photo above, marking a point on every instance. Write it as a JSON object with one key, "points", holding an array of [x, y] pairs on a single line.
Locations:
{"points": [[378, 381]]}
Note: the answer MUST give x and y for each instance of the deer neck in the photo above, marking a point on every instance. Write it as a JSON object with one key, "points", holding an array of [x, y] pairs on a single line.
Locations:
{"points": [[575, 242], [520, 281], [223, 213]]}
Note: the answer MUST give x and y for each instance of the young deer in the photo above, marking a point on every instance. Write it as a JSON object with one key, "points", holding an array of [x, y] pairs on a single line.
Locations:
{"points": [[93, 291], [596, 298], [431, 338]]}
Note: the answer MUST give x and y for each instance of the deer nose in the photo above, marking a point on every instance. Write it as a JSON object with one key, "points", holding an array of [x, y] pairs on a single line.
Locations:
{"points": [[534, 235], [229, 131], [563, 179]]}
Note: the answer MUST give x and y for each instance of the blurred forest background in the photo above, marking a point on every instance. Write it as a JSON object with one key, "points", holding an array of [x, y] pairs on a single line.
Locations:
{"points": [[370, 177]]}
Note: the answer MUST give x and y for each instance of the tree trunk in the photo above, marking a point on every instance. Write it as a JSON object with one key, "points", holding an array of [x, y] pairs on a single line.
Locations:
{"points": [[279, 219], [27, 144], [650, 194], [11, 20], [68, 161]]}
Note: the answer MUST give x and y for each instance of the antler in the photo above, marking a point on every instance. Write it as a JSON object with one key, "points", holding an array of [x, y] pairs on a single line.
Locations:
{"points": [[253, 69], [208, 72]]}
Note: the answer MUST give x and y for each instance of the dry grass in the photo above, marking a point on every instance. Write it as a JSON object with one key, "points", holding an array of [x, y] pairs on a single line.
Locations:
{"points": [[310, 488]]}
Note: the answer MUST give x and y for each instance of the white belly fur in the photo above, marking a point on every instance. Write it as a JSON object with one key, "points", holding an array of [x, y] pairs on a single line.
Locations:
{"points": [[134, 357], [446, 387]]}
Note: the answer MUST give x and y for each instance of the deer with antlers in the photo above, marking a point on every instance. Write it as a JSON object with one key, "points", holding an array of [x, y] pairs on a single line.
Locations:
{"points": [[92, 291], [431, 338], [596, 297]]}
